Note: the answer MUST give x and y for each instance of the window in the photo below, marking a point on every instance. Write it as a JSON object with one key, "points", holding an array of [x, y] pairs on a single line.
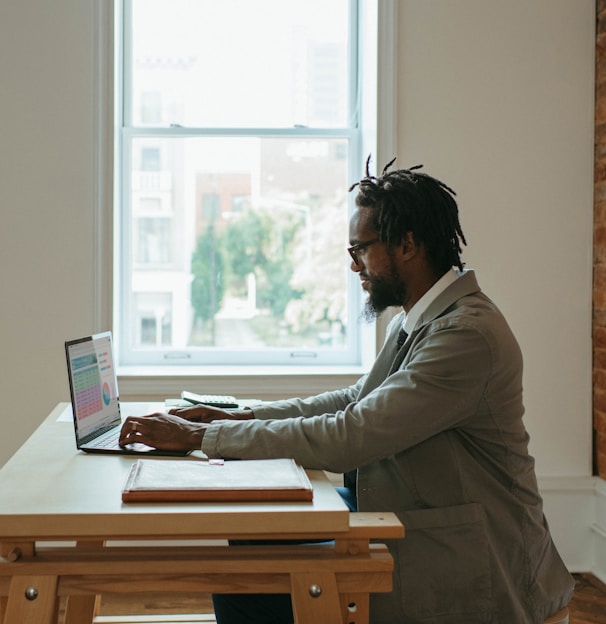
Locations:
{"points": [[238, 139]]}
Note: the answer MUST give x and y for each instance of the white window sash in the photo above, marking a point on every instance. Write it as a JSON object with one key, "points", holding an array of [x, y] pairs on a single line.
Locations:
{"points": [[378, 47]]}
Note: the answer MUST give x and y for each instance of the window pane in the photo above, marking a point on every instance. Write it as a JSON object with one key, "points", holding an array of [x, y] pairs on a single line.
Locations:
{"points": [[240, 127], [153, 319], [239, 243], [277, 64]]}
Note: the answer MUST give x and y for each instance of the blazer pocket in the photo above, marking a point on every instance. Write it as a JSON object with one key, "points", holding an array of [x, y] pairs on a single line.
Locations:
{"points": [[444, 564]]}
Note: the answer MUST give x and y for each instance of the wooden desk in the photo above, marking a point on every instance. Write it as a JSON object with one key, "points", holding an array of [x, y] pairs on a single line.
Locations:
{"points": [[64, 531]]}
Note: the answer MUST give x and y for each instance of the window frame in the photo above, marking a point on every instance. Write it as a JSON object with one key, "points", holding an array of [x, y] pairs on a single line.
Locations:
{"points": [[378, 54]]}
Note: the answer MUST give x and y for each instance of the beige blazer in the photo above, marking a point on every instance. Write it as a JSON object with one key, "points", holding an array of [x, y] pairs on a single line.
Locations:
{"points": [[435, 431]]}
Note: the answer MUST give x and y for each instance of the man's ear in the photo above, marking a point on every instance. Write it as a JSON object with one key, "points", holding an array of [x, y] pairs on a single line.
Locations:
{"points": [[409, 246]]}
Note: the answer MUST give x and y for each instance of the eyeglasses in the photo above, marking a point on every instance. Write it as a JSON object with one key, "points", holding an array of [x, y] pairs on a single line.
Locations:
{"points": [[354, 250]]}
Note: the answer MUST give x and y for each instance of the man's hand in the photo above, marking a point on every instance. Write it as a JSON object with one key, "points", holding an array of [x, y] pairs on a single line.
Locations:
{"points": [[163, 431], [206, 413]]}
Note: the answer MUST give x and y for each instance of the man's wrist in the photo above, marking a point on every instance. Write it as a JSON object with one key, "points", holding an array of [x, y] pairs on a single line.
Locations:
{"points": [[196, 435], [245, 413]]}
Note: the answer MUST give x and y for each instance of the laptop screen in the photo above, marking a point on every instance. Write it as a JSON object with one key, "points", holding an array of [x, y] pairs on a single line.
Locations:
{"points": [[93, 384]]}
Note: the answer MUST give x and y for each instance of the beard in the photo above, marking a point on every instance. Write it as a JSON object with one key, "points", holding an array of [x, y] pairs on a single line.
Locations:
{"points": [[384, 293]]}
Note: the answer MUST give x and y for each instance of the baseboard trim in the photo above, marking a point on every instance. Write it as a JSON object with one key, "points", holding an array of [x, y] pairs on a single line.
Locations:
{"points": [[598, 528], [575, 508]]}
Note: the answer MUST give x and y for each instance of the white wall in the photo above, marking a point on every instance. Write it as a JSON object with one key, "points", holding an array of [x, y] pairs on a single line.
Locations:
{"points": [[495, 98], [47, 194]]}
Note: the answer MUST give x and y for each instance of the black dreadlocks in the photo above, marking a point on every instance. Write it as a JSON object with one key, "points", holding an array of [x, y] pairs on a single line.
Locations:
{"points": [[406, 201]]}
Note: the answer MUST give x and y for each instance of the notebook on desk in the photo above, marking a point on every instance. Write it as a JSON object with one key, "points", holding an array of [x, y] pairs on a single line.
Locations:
{"points": [[217, 480], [95, 400]]}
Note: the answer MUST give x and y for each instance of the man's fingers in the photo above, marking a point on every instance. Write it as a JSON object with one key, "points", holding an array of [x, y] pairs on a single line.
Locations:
{"points": [[131, 429]]}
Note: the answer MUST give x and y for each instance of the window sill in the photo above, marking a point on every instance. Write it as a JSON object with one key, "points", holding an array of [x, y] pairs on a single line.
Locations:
{"points": [[144, 383]]}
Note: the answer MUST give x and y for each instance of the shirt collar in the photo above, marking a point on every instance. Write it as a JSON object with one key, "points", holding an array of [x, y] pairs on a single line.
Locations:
{"points": [[410, 319]]}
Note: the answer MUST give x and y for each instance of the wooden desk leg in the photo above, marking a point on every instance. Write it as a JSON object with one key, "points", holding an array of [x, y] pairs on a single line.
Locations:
{"points": [[32, 600], [81, 609], [13, 552], [355, 608], [315, 598]]}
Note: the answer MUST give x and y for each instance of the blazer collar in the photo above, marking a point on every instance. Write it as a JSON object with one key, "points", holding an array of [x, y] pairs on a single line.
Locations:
{"points": [[462, 287]]}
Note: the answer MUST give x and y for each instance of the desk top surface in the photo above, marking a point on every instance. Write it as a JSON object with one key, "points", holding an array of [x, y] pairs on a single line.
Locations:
{"points": [[51, 491]]}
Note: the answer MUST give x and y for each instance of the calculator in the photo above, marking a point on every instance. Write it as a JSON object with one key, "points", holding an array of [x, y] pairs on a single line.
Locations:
{"points": [[214, 400]]}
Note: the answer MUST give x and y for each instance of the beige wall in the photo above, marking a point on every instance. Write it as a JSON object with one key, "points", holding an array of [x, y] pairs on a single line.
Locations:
{"points": [[497, 99], [47, 194], [494, 97]]}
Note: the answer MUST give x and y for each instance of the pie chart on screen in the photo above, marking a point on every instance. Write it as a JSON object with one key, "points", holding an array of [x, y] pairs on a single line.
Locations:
{"points": [[106, 394]]}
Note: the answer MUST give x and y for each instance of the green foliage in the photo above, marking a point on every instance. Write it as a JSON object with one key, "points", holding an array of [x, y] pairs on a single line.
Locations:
{"points": [[207, 288], [276, 291], [268, 243], [242, 243], [262, 243]]}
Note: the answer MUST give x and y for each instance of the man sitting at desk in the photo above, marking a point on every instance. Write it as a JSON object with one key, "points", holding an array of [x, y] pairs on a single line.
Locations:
{"points": [[433, 432]]}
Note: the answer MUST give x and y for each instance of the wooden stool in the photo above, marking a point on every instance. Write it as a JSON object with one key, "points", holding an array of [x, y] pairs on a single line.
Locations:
{"points": [[561, 617]]}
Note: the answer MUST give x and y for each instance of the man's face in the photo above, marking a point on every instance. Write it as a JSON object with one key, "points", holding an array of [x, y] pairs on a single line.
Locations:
{"points": [[376, 266]]}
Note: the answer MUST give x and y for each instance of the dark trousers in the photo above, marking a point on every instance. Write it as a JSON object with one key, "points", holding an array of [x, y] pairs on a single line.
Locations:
{"points": [[264, 608]]}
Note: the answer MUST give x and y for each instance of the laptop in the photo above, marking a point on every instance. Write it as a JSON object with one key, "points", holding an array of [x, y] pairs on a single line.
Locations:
{"points": [[95, 401]]}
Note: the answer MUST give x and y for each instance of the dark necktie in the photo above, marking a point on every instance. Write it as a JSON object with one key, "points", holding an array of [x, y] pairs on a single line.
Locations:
{"points": [[402, 338]]}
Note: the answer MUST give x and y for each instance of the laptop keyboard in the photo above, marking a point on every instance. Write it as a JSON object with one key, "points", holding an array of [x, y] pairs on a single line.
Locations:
{"points": [[109, 440]]}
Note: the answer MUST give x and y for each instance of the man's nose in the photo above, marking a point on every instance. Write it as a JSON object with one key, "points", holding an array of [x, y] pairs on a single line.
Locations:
{"points": [[356, 268]]}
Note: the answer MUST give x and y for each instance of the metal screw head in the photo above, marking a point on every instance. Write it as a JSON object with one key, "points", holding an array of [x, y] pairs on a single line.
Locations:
{"points": [[31, 593], [315, 591]]}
